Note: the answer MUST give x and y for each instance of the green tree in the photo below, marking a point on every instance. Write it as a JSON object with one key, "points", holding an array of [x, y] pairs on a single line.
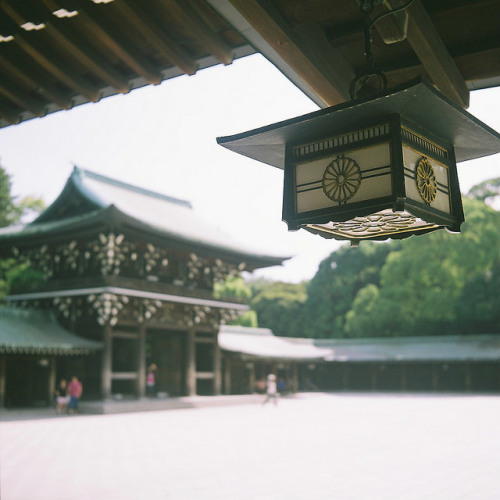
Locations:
{"points": [[486, 191], [478, 308], [9, 213], [13, 212], [340, 277], [422, 283], [279, 306], [235, 288]]}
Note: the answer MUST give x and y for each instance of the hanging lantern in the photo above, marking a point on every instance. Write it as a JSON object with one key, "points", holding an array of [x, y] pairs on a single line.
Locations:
{"points": [[373, 168]]}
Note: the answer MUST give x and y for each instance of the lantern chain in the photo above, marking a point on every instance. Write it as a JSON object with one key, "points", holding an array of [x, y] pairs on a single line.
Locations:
{"points": [[360, 83]]}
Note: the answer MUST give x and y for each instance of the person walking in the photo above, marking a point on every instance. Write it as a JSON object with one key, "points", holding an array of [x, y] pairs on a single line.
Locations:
{"points": [[271, 389], [75, 390]]}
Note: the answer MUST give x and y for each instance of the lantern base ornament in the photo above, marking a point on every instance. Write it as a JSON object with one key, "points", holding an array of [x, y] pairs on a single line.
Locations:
{"points": [[381, 225], [373, 169]]}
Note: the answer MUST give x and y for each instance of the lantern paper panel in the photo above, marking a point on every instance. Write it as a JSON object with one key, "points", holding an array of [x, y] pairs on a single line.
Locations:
{"points": [[371, 183]]}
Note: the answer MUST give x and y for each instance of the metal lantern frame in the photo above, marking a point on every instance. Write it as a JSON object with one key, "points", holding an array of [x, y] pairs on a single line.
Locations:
{"points": [[412, 117], [399, 134]]}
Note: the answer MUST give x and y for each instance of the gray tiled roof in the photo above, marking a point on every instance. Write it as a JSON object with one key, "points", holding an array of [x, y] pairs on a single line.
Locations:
{"points": [[260, 342], [442, 348]]}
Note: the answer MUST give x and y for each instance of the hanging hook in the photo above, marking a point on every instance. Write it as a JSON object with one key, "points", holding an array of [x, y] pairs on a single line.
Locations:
{"points": [[372, 80]]}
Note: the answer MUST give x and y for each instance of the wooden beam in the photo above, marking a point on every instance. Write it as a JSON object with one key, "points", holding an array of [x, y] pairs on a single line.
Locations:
{"points": [[71, 43], [306, 51], [107, 357], [9, 114], [22, 99], [44, 56], [191, 362], [158, 37], [141, 362], [187, 15], [3, 377], [60, 70], [217, 366], [40, 83], [432, 52], [115, 43], [88, 57], [227, 374]]}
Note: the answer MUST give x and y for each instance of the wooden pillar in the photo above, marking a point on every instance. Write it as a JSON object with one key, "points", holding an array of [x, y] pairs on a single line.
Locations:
{"points": [[141, 362], [227, 375], [217, 366], [374, 377], [107, 358], [403, 377], [435, 377], [191, 363], [295, 377], [468, 378], [3, 376], [345, 377], [251, 378], [52, 377]]}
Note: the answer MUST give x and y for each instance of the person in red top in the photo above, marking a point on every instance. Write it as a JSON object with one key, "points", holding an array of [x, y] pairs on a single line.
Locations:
{"points": [[75, 389]]}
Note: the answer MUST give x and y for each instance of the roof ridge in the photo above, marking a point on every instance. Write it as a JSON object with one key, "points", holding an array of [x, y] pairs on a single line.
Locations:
{"points": [[81, 173]]}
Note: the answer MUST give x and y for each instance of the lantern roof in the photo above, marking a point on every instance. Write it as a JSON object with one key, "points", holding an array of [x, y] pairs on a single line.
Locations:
{"points": [[417, 101]]}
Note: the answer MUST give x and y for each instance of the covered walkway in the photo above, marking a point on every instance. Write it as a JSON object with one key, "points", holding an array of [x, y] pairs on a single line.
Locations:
{"points": [[32, 344]]}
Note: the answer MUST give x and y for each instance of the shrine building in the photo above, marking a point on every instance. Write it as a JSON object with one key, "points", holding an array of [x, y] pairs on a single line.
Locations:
{"points": [[121, 278]]}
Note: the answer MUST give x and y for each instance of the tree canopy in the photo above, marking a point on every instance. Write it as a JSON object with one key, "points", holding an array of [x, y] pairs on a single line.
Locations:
{"points": [[13, 211], [435, 284], [279, 306]]}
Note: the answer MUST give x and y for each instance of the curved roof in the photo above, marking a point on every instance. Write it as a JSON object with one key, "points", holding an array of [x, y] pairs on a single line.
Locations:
{"points": [[261, 343], [443, 348], [89, 198], [31, 331]]}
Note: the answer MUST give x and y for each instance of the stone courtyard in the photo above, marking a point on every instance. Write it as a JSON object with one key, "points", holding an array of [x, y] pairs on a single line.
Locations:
{"points": [[315, 446]]}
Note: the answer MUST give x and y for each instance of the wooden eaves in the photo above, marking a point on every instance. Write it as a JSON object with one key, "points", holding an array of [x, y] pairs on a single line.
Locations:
{"points": [[319, 45], [56, 54]]}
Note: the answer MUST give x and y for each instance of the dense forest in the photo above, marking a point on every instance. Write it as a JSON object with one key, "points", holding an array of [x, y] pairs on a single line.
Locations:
{"points": [[435, 284]]}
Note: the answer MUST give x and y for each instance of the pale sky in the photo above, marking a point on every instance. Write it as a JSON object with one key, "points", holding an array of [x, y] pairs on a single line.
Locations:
{"points": [[163, 138]]}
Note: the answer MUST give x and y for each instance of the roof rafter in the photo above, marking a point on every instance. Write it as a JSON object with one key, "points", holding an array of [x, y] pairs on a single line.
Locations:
{"points": [[113, 42], [306, 51], [22, 99], [39, 83], [184, 10], [57, 68], [432, 52], [95, 63], [9, 114], [51, 63], [150, 29], [71, 43]]}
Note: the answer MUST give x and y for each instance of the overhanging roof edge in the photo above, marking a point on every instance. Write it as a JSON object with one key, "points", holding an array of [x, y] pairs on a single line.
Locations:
{"points": [[129, 293], [417, 101]]}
